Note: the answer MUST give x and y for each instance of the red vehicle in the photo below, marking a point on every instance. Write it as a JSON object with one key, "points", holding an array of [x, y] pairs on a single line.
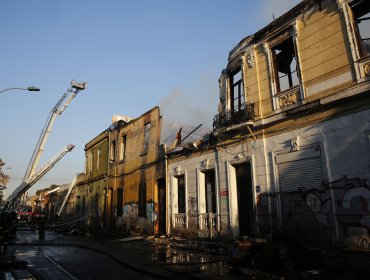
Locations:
{"points": [[24, 214], [37, 215]]}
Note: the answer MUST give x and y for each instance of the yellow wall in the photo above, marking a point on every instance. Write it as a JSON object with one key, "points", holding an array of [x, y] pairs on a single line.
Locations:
{"points": [[322, 45], [323, 52]]}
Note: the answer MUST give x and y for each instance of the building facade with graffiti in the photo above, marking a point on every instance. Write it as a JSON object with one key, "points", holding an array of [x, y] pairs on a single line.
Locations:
{"points": [[136, 173], [289, 151], [124, 176]]}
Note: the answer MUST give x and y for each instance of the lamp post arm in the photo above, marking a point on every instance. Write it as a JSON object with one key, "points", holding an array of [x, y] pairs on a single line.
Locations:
{"points": [[32, 88]]}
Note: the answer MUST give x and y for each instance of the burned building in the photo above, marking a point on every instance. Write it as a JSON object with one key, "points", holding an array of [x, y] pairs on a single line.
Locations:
{"points": [[123, 183], [289, 151]]}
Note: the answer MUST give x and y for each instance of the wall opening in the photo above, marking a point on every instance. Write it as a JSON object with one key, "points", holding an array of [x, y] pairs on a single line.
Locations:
{"points": [[244, 188]]}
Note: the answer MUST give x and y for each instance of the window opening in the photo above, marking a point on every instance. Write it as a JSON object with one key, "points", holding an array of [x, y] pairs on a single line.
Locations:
{"points": [[123, 148], [181, 193], [113, 151], [146, 137], [210, 191], [90, 162], [98, 160], [285, 65], [237, 92], [361, 14], [86, 163]]}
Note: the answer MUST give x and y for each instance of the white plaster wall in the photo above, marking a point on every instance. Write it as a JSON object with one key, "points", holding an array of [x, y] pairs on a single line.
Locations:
{"points": [[345, 151], [344, 143]]}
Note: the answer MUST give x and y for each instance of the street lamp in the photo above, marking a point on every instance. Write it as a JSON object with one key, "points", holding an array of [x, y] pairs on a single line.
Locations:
{"points": [[31, 88]]}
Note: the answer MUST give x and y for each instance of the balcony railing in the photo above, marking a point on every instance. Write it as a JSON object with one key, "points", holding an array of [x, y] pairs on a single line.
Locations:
{"points": [[179, 220], [236, 116], [208, 221]]}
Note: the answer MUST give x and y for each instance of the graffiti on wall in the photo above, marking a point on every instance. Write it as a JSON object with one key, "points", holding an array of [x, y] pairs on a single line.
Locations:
{"points": [[343, 204], [224, 197], [152, 212], [131, 219], [192, 204]]}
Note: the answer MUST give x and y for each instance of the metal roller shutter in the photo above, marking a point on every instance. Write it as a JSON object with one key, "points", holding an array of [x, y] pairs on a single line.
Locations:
{"points": [[301, 195]]}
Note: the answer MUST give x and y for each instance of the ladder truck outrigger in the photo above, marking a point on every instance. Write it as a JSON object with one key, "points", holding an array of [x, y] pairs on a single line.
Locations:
{"points": [[31, 176]]}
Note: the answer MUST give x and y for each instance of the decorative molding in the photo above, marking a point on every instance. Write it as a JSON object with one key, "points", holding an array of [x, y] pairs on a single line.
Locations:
{"points": [[288, 98], [250, 60], [266, 47], [241, 157], [367, 69], [177, 170], [205, 164], [295, 144]]}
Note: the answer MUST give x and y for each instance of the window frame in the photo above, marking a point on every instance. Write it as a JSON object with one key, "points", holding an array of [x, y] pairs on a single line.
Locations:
{"points": [[147, 128], [90, 159], [112, 152], [357, 30], [237, 88], [360, 62], [294, 93], [210, 177], [98, 159], [123, 144], [181, 198]]}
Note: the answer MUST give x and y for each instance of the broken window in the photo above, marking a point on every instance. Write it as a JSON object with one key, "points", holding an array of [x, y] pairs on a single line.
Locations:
{"points": [[237, 93], [146, 137], [285, 65], [181, 193], [122, 154], [361, 21], [210, 191]]}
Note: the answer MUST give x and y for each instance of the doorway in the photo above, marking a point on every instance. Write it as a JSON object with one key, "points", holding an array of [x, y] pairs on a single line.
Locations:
{"points": [[244, 188], [161, 206]]}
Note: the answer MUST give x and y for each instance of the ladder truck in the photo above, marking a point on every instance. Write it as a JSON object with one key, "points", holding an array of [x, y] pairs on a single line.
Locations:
{"points": [[31, 176], [67, 196], [26, 184]]}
